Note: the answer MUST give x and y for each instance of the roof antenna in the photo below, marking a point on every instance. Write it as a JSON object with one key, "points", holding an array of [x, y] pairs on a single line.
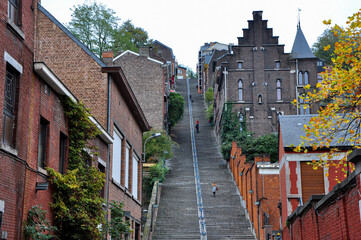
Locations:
{"points": [[299, 18]]}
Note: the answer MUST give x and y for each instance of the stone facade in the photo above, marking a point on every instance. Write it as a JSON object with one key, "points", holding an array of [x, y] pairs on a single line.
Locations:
{"points": [[259, 80], [146, 77]]}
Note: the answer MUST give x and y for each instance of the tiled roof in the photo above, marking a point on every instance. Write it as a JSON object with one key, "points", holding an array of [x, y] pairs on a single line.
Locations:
{"points": [[292, 128], [300, 47]]}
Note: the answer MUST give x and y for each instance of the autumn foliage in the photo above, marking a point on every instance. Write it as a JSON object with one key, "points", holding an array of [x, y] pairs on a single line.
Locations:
{"points": [[339, 94]]}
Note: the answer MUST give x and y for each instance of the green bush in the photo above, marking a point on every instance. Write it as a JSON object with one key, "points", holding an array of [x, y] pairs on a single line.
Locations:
{"points": [[175, 108], [209, 96], [232, 130], [37, 226], [156, 173]]}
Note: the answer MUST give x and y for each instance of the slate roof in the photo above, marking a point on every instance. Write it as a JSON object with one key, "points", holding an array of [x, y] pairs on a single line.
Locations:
{"points": [[300, 48], [291, 127], [67, 32]]}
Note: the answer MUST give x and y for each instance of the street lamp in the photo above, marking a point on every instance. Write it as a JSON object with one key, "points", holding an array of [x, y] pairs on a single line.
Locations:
{"points": [[154, 135]]}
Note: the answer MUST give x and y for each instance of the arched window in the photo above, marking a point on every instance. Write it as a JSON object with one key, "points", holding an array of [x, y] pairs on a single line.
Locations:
{"points": [[279, 89], [304, 108], [240, 90], [300, 78], [306, 78]]}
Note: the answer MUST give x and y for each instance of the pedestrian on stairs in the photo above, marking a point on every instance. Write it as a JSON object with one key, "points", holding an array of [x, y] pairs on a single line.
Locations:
{"points": [[214, 188]]}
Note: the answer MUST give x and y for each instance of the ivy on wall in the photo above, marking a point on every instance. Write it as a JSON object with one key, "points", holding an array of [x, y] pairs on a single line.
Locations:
{"points": [[77, 204]]}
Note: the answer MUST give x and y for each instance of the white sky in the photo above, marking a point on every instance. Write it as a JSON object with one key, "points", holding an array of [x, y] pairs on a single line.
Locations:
{"points": [[186, 25]]}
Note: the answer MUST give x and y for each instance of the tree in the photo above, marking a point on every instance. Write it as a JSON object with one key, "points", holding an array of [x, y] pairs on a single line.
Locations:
{"points": [[129, 37], [234, 130], [117, 225], [158, 148], [95, 25], [327, 38], [339, 121], [175, 108], [191, 74]]}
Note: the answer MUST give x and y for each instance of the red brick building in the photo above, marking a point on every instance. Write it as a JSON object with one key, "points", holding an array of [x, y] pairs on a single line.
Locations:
{"points": [[258, 184], [335, 215], [298, 180], [105, 91], [181, 72]]}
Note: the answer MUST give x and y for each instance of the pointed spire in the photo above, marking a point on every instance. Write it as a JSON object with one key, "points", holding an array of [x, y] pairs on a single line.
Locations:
{"points": [[300, 48], [299, 18]]}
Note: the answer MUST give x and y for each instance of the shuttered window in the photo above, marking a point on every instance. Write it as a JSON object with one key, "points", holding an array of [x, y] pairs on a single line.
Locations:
{"points": [[312, 181]]}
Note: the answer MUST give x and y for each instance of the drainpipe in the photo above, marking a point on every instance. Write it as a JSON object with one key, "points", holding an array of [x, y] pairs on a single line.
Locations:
{"points": [[108, 160], [225, 86]]}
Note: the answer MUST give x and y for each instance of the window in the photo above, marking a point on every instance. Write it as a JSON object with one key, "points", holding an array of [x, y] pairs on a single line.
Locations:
{"points": [[62, 152], [240, 90], [319, 78], [9, 107], [117, 156], [279, 90], [13, 11], [240, 65], [101, 168], [304, 108], [43, 142], [126, 175], [135, 177], [300, 78], [278, 64], [305, 78]]}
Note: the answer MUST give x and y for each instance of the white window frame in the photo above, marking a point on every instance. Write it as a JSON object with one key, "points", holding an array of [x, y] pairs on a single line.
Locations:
{"points": [[117, 156], [135, 176], [126, 172]]}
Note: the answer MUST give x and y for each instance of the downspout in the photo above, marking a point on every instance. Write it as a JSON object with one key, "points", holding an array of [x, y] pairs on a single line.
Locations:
{"points": [[259, 203], [108, 160]]}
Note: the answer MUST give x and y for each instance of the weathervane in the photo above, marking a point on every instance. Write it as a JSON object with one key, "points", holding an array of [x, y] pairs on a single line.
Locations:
{"points": [[299, 18]]}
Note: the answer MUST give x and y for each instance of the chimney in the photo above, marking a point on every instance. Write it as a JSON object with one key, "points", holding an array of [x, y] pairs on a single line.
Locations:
{"points": [[144, 51], [108, 57]]}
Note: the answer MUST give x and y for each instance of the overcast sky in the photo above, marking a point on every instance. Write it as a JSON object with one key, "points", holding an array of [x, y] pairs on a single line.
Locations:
{"points": [[186, 25]]}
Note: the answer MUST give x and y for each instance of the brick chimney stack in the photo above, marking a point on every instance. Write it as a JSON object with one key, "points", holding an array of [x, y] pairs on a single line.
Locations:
{"points": [[108, 57]]}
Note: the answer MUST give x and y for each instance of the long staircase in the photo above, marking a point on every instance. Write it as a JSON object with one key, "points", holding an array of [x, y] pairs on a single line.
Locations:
{"points": [[178, 213]]}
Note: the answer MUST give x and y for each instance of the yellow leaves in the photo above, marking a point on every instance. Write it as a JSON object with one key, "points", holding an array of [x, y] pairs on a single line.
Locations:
{"points": [[327, 48], [307, 86], [318, 85], [327, 22]]}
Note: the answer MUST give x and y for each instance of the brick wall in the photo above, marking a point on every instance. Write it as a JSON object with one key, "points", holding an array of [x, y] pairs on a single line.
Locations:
{"points": [[73, 65], [147, 81], [332, 216], [13, 166], [257, 184]]}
